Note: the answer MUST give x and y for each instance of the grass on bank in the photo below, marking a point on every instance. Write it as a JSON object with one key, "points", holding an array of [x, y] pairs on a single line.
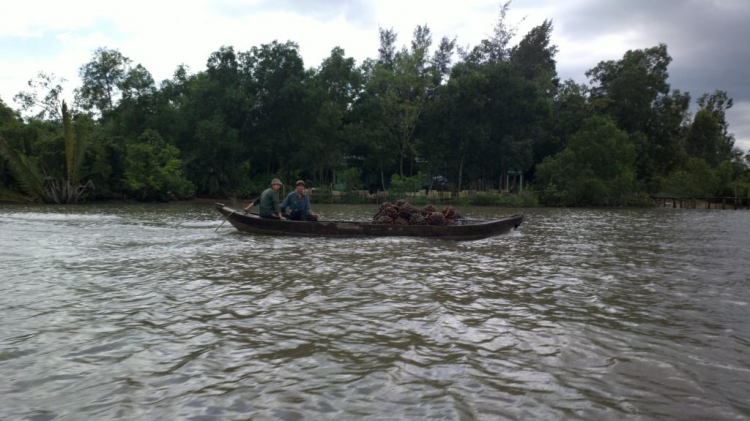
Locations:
{"points": [[525, 199]]}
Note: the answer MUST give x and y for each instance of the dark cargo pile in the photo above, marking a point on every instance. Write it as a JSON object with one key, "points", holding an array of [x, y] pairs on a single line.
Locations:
{"points": [[402, 213]]}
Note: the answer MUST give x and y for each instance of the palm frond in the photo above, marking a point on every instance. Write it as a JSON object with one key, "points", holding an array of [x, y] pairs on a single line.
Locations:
{"points": [[8, 195], [75, 148], [24, 171], [60, 191]]}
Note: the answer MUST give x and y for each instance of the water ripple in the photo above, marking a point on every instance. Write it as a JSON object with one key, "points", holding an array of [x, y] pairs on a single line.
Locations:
{"points": [[143, 312]]}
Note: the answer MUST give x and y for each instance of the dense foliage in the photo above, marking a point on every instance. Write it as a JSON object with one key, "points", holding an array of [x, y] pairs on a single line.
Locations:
{"points": [[419, 113]]}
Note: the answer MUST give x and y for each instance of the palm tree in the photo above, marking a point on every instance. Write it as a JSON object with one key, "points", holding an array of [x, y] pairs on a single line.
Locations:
{"points": [[32, 180]]}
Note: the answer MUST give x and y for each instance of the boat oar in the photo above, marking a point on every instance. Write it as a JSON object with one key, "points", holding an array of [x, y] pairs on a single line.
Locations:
{"points": [[225, 220]]}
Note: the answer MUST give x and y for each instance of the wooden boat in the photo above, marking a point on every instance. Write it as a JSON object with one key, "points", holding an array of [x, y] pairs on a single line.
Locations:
{"points": [[466, 230]]}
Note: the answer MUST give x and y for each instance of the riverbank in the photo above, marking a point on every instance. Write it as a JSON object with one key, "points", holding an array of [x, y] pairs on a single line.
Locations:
{"points": [[526, 199], [724, 203]]}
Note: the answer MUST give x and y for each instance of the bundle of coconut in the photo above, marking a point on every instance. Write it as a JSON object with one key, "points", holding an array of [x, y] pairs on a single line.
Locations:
{"points": [[402, 213]]}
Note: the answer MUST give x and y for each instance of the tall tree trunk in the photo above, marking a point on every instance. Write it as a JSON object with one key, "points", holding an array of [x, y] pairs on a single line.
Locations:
{"points": [[411, 164], [460, 172], [401, 165], [382, 178]]}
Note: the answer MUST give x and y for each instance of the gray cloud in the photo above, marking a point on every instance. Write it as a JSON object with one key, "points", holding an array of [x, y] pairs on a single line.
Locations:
{"points": [[707, 40]]}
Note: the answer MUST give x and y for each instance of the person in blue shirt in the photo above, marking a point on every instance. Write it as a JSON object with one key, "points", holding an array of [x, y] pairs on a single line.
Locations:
{"points": [[299, 205]]}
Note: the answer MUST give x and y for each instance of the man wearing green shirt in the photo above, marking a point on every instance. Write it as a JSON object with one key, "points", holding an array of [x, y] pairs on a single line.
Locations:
{"points": [[270, 205]]}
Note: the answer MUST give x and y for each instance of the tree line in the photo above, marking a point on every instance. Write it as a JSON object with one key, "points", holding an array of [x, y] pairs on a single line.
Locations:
{"points": [[426, 111]]}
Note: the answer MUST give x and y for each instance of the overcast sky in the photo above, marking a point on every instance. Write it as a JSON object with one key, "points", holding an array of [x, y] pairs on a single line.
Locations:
{"points": [[708, 39]]}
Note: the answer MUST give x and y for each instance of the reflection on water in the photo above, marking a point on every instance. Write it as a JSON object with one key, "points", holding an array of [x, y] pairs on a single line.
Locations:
{"points": [[143, 312]]}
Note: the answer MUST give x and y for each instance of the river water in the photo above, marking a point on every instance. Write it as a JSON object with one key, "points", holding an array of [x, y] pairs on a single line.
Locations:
{"points": [[143, 312]]}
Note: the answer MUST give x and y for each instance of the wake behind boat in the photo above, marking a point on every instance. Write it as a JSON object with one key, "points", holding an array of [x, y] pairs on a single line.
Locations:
{"points": [[466, 230]]}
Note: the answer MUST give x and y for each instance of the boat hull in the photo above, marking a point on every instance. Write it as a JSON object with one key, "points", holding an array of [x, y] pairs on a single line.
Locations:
{"points": [[341, 229]]}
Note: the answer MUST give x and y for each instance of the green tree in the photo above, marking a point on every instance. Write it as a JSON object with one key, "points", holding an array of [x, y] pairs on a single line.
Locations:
{"points": [[497, 47], [442, 60], [397, 98], [402, 185], [103, 79], [387, 50], [704, 138], [667, 130], [694, 178], [462, 124], [636, 92], [281, 112], [250, 115], [43, 98], [6, 113], [569, 110], [137, 104], [330, 94], [520, 114], [153, 170], [628, 87], [534, 56], [717, 104], [212, 122], [595, 169]]}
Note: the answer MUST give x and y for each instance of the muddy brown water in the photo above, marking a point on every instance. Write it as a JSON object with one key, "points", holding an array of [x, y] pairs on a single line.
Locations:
{"points": [[143, 312]]}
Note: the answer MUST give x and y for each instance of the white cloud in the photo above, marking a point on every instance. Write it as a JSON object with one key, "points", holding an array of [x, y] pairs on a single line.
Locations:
{"points": [[162, 36], [32, 18]]}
